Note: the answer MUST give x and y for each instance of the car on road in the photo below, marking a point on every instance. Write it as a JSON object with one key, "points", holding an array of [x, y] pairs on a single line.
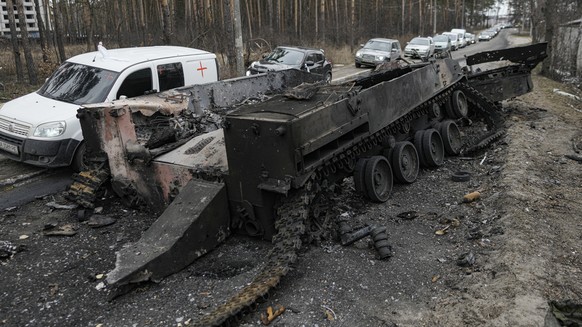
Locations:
{"points": [[377, 51], [291, 57], [455, 42], [470, 38], [442, 46], [486, 35], [420, 47], [42, 128]]}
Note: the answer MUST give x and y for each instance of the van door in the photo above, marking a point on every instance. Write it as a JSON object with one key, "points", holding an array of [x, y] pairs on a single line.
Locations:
{"points": [[200, 70], [134, 81]]}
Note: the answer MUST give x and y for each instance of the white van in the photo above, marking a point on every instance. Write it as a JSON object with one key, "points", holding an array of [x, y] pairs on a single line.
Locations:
{"points": [[41, 128], [455, 42], [462, 36]]}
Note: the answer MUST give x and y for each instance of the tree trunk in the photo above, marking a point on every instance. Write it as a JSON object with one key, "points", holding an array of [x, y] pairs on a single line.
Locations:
{"points": [[166, 28], [229, 31], [14, 41], [32, 75], [88, 22], [41, 32], [57, 18]]}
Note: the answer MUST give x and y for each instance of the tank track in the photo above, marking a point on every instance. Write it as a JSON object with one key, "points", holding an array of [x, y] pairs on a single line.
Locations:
{"points": [[86, 185], [490, 113], [291, 226]]}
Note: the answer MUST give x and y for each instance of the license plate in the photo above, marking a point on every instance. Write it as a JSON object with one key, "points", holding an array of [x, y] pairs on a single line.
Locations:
{"points": [[8, 147]]}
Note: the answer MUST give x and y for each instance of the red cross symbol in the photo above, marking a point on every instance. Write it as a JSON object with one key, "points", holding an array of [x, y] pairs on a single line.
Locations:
{"points": [[202, 69]]}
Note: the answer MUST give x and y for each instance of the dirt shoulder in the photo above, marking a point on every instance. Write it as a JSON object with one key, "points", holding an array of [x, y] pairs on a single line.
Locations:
{"points": [[537, 259]]}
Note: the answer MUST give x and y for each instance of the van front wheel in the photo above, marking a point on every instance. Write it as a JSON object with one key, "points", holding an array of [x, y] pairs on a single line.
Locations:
{"points": [[78, 163]]}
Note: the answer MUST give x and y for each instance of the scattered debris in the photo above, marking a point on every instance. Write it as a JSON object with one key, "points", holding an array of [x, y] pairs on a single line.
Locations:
{"points": [[9, 209], [8, 249], [381, 244], [471, 197], [442, 231], [55, 205], [466, 259], [435, 278], [64, 230], [97, 221], [574, 157], [566, 94], [461, 176], [23, 237], [329, 313], [271, 315], [349, 238]]}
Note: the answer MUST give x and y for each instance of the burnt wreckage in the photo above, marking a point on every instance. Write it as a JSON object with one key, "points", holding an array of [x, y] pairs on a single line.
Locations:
{"points": [[257, 154]]}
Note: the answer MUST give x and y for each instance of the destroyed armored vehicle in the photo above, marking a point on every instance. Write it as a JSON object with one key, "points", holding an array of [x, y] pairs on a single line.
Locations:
{"points": [[256, 155]]}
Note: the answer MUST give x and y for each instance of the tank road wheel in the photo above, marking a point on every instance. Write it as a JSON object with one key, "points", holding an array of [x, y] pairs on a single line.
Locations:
{"points": [[405, 162], [378, 179], [451, 136], [457, 105], [418, 146], [359, 175], [436, 111], [432, 148]]}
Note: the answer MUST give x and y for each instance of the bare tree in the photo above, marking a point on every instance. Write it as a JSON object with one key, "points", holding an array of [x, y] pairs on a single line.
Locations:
{"points": [[31, 68], [14, 41], [166, 27]]}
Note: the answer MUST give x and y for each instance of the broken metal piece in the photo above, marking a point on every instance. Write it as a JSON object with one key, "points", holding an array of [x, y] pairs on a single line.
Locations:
{"points": [[349, 238], [381, 244], [194, 223]]}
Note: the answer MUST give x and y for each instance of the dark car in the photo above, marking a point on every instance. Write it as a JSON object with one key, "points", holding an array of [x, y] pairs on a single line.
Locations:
{"points": [[307, 59]]}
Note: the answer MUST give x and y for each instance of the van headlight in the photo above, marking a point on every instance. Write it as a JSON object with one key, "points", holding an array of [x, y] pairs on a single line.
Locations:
{"points": [[380, 58], [359, 54], [52, 129]]}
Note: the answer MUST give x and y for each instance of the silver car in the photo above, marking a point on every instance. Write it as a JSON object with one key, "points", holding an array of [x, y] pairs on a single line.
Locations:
{"points": [[442, 46], [377, 51], [420, 47]]}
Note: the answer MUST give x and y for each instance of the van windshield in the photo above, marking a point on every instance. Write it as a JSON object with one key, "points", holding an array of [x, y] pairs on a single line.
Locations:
{"points": [[79, 84]]}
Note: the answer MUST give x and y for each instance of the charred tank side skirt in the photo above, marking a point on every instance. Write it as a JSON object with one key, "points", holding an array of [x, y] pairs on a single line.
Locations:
{"points": [[195, 222], [529, 55]]}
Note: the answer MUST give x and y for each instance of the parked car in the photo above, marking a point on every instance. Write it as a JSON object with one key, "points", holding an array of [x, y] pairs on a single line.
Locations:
{"points": [[420, 47], [442, 46], [289, 57], [455, 42], [41, 128], [377, 51], [486, 35], [470, 38]]}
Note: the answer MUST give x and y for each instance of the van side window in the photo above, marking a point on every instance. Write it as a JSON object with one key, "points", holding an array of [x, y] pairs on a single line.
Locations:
{"points": [[137, 83], [170, 76]]}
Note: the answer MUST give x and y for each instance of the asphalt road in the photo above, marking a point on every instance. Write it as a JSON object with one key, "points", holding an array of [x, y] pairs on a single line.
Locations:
{"points": [[21, 183]]}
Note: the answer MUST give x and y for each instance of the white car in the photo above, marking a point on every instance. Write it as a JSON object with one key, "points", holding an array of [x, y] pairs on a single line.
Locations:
{"points": [[420, 47], [41, 128]]}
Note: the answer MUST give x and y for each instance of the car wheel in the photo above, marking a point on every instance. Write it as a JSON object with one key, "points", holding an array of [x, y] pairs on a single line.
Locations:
{"points": [[358, 65], [78, 163], [328, 77]]}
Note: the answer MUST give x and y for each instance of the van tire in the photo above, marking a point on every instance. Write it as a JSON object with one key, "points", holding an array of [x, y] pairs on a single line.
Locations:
{"points": [[78, 163]]}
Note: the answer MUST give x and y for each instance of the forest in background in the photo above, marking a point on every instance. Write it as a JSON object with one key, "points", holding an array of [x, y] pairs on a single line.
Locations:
{"points": [[213, 25]]}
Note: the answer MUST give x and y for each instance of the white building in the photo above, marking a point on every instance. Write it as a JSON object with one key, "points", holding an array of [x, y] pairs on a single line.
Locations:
{"points": [[29, 12]]}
